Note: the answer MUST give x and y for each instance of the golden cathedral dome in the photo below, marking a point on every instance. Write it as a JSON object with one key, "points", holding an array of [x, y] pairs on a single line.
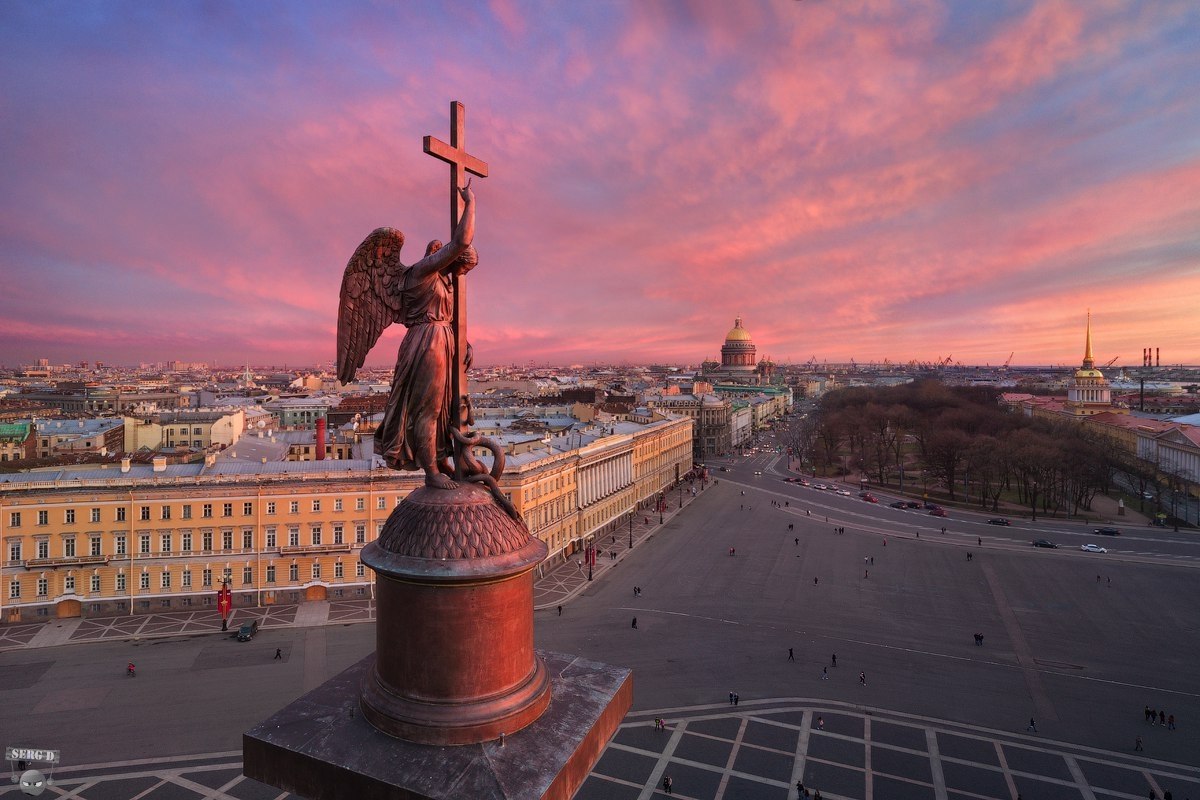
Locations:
{"points": [[738, 333]]}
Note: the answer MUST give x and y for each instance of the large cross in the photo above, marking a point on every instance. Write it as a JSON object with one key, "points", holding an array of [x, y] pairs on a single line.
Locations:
{"points": [[455, 154]]}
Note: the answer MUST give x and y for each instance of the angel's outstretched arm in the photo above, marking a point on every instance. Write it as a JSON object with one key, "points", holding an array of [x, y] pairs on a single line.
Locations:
{"points": [[464, 234]]}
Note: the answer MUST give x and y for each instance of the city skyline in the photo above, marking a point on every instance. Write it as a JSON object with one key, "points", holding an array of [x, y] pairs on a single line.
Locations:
{"points": [[907, 181]]}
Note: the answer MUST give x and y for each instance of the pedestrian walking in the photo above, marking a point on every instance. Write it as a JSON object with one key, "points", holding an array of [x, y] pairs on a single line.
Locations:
{"points": [[872, 561], [862, 678], [824, 673], [797, 541], [1170, 722], [635, 623], [279, 657], [834, 659], [1162, 718], [1148, 712], [979, 541], [815, 581], [668, 784], [736, 698], [1032, 726], [791, 656], [1097, 579], [731, 698], [866, 573], [1153, 716], [1137, 744], [560, 611], [820, 723]]}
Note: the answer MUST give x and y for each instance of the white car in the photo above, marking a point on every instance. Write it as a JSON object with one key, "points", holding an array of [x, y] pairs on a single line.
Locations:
{"points": [[845, 492], [1092, 548]]}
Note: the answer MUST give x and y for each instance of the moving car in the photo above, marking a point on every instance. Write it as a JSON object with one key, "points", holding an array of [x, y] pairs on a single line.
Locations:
{"points": [[758, 472], [1092, 548], [1044, 543], [930, 505], [844, 492], [870, 498], [938, 512], [998, 521], [1108, 531], [899, 504], [912, 504], [247, 631]]}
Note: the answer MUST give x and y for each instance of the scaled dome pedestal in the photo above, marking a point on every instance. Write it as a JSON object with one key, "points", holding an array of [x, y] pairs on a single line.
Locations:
{"points": [[455, 702], [455, 662]]}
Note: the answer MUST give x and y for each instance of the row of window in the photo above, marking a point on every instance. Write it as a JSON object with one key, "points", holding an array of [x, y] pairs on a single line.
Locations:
{"points": [[165, 579], [316, 535], [15, 518]]}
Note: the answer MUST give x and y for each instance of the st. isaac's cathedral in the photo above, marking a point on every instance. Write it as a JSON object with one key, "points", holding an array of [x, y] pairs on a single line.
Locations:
{"points": [[738, 364]]}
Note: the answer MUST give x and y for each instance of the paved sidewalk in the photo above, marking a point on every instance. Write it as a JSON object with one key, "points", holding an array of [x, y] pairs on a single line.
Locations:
{"points": [[756, 751], [560, 582], [556, 585]]}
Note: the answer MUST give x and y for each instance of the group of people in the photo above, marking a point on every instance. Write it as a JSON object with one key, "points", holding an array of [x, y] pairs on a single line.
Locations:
{"points": [[803, 793], [1160, 717]]}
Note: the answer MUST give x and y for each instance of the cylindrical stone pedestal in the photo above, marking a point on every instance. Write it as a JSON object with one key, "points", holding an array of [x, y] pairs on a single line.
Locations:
{"points": [[454, 621]]}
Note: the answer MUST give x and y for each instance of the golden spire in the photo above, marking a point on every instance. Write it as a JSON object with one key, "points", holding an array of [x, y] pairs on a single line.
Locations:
{"points": [[1088, 361]]}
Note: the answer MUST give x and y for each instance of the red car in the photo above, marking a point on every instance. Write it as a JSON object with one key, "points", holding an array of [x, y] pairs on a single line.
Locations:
{"points": [[938, 512], [870, 498]]}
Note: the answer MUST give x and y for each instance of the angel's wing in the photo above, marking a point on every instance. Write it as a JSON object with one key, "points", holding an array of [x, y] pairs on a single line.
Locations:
{"points": [[371, 298]]}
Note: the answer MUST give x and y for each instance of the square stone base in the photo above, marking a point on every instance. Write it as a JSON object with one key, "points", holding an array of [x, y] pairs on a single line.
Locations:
{"points": [[320, 746]]}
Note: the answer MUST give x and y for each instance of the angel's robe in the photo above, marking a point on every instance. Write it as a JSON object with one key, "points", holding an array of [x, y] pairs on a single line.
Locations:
{"points": [[415, 431]]}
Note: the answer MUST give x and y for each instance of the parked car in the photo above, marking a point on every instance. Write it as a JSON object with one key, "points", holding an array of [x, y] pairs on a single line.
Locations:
{"points": [[1092, 548], [1108, 531], [912, 504], [844, 492], [899, 504], [1044, 543], [247, 631], [930, 505], [938, 512], [998, 521]]}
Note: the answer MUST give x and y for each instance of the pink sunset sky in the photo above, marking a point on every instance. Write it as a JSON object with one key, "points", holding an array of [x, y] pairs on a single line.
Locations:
{"points": [[867, 180]]}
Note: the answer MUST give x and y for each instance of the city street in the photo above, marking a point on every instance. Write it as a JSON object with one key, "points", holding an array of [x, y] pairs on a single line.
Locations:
{"points": [[1081, 656]]}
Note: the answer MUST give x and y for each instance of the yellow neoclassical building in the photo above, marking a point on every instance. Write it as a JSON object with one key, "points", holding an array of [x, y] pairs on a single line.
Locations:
{"points": [[138, 539]]}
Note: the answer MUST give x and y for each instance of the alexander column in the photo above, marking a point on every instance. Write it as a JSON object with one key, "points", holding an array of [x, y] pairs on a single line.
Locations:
{"points": [[455, 702]]}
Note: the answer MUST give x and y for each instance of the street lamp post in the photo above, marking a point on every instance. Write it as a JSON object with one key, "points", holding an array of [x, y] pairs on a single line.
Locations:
{"points": [[631, 529], [681, 495]]}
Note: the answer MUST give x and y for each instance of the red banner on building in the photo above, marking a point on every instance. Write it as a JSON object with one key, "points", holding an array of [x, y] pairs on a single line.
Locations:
{"points": [[224, 601]]}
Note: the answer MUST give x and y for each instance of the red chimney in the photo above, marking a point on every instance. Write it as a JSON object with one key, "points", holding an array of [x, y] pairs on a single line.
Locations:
{"points": [[321, 439]]}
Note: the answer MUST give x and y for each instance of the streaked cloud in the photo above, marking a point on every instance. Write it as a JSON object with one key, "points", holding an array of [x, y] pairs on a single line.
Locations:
{"points": [[870, 180]]}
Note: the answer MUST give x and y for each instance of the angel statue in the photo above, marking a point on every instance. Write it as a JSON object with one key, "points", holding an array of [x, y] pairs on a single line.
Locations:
{"points": [[377, 289]]}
